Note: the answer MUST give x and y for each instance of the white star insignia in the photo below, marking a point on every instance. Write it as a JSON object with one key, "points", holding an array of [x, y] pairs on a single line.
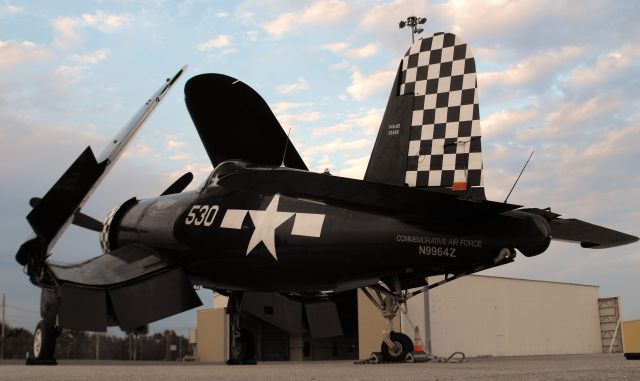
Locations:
{"points": [[266, 222]]}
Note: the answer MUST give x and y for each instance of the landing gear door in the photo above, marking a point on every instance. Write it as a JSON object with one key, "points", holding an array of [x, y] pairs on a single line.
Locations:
{"points": [[323, 319]]}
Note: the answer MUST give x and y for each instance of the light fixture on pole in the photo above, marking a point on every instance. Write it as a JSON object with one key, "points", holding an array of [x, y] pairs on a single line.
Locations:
{"points": [[413, 22]]}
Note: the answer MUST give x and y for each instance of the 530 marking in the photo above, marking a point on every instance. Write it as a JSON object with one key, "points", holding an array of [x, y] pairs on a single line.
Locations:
{"points": [[201, 215]]}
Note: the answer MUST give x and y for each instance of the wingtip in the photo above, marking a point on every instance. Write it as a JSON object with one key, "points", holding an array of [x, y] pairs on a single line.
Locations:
{"points": [[178, 74]]}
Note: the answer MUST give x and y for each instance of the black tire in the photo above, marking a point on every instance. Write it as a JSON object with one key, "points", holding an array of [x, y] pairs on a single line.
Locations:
{"points": [[44, 341], [244, 349], [404, 347]]}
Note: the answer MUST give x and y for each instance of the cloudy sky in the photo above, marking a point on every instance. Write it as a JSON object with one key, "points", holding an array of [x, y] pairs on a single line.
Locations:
{"points": [[561, 78]]}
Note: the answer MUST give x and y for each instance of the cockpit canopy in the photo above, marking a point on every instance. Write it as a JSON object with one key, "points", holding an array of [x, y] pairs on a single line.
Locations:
{"points": [[226, 168]]}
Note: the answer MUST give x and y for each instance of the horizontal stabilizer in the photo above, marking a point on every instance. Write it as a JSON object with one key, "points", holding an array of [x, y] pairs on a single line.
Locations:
{"points": [[407, 203], [589, 235]]}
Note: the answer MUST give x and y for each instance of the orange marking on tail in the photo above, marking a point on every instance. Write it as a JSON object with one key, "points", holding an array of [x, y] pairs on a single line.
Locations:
{"points": [[461, 186]]}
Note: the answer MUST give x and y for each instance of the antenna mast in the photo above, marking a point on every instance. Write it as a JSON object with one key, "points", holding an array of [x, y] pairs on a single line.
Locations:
{"points": [[514, 184], [286, 145]]}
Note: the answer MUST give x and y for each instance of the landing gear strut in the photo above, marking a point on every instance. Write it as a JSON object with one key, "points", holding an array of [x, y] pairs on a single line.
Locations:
{"points": [[395, 345], [241, 344]]}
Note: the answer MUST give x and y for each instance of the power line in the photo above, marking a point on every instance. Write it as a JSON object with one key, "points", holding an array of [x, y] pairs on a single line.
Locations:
{"points": [[22, 309]]}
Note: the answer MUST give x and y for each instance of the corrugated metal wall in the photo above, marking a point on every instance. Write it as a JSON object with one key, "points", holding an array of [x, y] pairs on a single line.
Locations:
{"points": [[492, 316]]}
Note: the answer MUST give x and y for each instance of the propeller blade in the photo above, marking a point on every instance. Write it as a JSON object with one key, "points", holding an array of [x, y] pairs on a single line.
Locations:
{"points": [[79, 219], [87, 222], [179, 185]]}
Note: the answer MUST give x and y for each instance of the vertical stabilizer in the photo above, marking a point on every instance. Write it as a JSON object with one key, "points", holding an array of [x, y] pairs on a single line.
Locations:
{"points": [[430, 132]]}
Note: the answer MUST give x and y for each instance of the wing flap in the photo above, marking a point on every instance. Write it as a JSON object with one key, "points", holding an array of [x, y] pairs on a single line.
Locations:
{"points": [[119, 266], [403, 202], [131, 286]]}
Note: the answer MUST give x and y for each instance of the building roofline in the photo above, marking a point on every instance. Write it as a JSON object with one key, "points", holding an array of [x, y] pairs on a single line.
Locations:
{"points": [[535, 280]]}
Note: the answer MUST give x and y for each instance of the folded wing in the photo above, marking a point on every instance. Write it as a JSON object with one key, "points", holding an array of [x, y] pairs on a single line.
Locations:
{"points": [[234, 122]]}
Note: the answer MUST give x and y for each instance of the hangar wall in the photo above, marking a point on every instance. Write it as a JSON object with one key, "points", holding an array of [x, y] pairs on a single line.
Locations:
{"points": [[484, 315], [478, 315], [212, 335]]}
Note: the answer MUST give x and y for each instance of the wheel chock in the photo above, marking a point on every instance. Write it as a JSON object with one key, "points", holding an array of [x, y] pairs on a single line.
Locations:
{"points": [[376, 358], [632, 356], [418, 356], [241, 362], [35, 361]]}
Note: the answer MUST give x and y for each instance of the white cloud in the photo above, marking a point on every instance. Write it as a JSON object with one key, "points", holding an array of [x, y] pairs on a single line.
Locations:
{"points": [[289, 120], [363, 52], [8, 9], [285, 106], [221, 41], [200, 170], [92, 58], [320, 12], [222, 14], [606, 66], [300, 85], [492, 17], [362, 87], [136, 151], [570, 119], [354, 168], [337, 145], [69, 30], [173, 143], [344, 64], [253, 35], [532, 69], [107, 22], [390, 13], [14, 53], [504, 121], [345, 49], [367, 121], [617, 142], [69, 74], [182, 156], [336, 47]]}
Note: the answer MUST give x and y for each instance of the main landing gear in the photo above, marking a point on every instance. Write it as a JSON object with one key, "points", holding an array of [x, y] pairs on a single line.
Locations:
{"points": [[44, 344], [241, 343], [395, 345]]}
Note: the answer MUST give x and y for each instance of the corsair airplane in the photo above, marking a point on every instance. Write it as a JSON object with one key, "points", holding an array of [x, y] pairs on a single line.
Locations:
{"points": [[263, 222]]}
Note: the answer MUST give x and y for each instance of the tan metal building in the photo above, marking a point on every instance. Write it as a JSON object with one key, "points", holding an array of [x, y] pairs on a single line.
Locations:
{"points": [[478, 315]]}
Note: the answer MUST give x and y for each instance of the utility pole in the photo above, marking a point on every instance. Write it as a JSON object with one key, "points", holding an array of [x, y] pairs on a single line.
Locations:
{"points": [[4, 307], [97, 346]]}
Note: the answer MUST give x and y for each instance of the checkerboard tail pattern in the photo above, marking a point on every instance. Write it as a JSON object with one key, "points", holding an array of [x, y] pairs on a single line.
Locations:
{"points": [[444, 143]]}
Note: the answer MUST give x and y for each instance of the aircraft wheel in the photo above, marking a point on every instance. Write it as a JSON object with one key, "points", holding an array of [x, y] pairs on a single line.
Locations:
{"points": [[44, 341], [244, 348], [403, 346]]}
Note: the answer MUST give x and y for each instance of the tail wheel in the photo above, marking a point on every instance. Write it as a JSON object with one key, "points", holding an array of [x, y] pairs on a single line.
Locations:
{"points": [[44, 341], [402, 347]]}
